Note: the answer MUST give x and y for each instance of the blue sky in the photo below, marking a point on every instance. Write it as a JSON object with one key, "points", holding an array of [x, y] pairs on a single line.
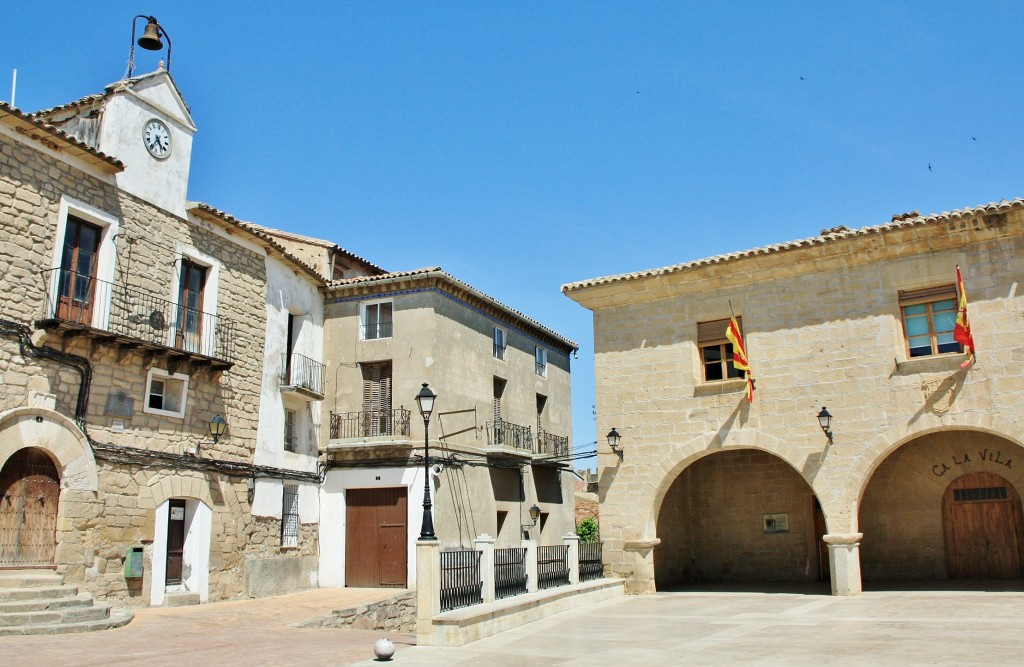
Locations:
{"points": [[524, 145]]}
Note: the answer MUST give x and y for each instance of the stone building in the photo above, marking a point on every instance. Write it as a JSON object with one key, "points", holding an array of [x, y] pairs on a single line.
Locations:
{"points": [[132, 320], [921, 474]]}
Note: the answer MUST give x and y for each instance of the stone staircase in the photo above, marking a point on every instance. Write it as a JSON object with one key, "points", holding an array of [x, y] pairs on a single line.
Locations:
{"points": [[37, 602]]}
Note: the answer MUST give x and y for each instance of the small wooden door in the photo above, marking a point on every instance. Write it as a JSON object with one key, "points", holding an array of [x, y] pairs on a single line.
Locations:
{"points": [[175, 540], [29, 491], [77, 287], [375, 538], [982, 523]]}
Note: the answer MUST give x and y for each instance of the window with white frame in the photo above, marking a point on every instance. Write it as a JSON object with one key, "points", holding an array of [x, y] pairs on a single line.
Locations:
{"points": [[290, 516], [716, 350], [376, 320], [541, 358], [166, 393], [499, 343], [290, 430]]}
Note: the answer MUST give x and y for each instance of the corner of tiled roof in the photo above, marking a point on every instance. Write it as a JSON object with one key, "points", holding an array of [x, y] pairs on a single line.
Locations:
{"points": [[321, 242], [57, 133]]}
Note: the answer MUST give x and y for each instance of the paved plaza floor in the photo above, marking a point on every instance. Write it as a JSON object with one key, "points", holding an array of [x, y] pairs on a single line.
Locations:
{"points": [[706, 627]]}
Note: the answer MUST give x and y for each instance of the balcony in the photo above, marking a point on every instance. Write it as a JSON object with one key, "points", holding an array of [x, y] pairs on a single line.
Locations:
{"points": [[369, 428], [78, 305], [555, 446], [303, 376], [505, 438]]}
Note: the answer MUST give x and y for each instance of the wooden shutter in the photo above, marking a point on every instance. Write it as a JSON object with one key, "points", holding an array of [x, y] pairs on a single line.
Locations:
{"points": [[714, 330], [377, 386], [940, 293]]}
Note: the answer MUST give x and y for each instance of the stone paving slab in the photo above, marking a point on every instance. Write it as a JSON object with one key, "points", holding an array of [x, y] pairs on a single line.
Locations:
{"points": [[763, 629], [243, 632]]}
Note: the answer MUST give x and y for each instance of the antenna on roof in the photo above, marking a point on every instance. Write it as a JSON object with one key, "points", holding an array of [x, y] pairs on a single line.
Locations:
{"points": [[14, 85]]}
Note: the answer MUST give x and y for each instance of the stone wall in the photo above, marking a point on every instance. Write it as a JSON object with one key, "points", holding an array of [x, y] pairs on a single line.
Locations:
{"points": [[396, 614]]}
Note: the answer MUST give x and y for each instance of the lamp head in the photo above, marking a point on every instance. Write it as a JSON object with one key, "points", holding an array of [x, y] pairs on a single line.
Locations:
{"points": [[534, 514], [217, 427], [425, 401], [613, 442]]}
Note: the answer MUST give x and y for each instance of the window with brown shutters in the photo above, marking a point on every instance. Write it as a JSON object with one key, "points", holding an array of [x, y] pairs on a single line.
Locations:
{"points": [[929, 316], [377, 416], [716, 350]]}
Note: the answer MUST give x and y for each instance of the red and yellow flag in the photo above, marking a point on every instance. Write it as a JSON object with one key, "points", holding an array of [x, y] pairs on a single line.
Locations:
{"points": [[962, 328], [739, 355]]}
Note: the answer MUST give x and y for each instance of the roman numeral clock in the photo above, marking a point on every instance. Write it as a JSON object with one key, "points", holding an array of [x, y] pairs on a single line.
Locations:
{"points": [[157, 139]]}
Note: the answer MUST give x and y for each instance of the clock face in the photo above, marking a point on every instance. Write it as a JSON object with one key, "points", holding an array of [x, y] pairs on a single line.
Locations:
{"points": [[157, 139]]}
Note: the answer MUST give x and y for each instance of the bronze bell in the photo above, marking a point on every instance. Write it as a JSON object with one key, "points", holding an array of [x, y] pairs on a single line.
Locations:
{"points": [[150, 40]]}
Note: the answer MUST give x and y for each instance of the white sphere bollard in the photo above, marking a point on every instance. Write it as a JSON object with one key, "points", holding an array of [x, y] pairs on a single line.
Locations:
{"points": [[384, 649]]}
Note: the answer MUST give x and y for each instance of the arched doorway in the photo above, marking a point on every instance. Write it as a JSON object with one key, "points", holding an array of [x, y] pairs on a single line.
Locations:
{"points": [[29, 493], [981, 517], [742, 516]]}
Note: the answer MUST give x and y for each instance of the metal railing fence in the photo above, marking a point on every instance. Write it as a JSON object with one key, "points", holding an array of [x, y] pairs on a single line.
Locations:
{"points": [[370, 423], [591, 561], [509, 572], [552, 566], [461, 585]]}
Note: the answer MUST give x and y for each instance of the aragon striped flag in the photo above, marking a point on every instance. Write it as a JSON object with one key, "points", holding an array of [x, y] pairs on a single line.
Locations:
{"points": [[962, 329], [739, 355]]}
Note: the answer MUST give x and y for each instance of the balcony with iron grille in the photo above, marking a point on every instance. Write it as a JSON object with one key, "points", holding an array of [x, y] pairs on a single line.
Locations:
{"points": [[551, 446], [133, 318], [508, 439], [370, 429], [303, 376]]}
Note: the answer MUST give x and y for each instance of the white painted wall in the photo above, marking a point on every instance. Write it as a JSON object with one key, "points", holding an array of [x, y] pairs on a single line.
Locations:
{"points": [[287, 293], [332, 516], [162, 182], [198, 523]]}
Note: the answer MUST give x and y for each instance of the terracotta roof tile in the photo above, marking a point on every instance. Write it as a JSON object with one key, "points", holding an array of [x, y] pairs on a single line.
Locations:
{"points": [[25, 121]]}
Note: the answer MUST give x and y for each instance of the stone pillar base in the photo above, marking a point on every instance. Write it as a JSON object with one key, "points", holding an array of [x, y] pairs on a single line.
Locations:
{"points": [[641, 553], [844, 562]]}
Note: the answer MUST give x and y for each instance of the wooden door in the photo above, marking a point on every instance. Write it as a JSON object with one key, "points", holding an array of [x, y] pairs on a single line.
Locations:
{"points": [[175, 540], [76, 289], [191, 284], [982, 524], [29, 491], [376, 538]]}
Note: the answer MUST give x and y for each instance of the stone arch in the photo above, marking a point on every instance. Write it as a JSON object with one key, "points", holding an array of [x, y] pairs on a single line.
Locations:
{"points": [[860, 470], [677, 458], [55, 434], [161, 486]]}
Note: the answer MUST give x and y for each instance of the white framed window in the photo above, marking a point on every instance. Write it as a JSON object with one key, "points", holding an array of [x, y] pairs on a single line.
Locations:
{"points": [[290, 516], [192, 322], [500, 343], [290, 430], [716, 351], [540, 355], [166, 393], [377, 320], [929, 317], [81, 279]]}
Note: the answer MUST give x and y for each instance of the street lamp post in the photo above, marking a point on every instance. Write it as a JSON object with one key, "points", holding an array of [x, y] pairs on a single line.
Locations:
{"points": [[425, 401]]}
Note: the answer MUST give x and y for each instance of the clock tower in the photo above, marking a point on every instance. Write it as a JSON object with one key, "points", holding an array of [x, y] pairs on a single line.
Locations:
{"points": [[144, 122]]}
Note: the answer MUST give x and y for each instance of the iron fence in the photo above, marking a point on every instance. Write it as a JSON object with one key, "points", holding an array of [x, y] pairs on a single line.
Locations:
{"points": [[461, 585], [370, 423], [554, 445], [301, 371], [552, 566], [591, 561], [509, 572], [509, 435], [126, 311]]}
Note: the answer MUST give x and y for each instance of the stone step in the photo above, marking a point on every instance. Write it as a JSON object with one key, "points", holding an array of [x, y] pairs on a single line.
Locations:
{"points": [[66, 616], [37, 593], [115, 620], [180, 599], [29, 578], [45, 604]]}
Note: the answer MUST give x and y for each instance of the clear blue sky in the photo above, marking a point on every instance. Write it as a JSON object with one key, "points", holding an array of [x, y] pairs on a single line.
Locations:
{"points": [[522, 145]]}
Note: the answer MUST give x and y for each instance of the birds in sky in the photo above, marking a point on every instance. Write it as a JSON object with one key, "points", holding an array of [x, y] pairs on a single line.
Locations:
{"points": [[929, 166]]}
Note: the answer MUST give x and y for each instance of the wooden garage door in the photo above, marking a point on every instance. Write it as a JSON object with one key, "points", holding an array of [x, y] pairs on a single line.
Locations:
{"points": [[375, 538], [29, 489], [982, 522]]}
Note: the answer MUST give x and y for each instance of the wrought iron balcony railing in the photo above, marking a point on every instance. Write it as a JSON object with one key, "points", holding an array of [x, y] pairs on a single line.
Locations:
{"points": [[135, 314], [552, 445], [370, 423], [302, 372], [505, 434]]}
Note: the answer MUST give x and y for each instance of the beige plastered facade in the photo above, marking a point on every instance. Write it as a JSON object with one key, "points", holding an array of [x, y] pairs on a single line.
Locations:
{"points": [[704, 469]]}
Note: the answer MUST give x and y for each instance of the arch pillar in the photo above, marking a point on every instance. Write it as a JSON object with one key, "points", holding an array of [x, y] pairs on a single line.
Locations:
{"points": [[640, 555], [844, 562]]}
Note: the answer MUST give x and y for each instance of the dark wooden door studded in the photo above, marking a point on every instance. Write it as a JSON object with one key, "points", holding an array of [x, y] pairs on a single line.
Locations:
{"points": [[29, 491], [375, 538]]}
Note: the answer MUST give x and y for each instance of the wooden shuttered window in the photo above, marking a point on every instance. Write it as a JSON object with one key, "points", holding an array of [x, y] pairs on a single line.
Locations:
{"points": [[377, 398]]}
